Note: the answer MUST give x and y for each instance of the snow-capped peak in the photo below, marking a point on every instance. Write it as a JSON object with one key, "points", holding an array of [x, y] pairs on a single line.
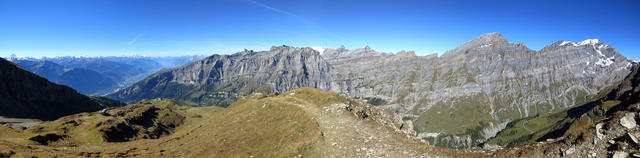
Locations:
{"points": [[583, 43], [598, 47], [565, 43], [589, 42], [14, 57]]}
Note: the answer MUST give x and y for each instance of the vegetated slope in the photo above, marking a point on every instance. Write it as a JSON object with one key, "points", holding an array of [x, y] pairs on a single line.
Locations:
{"points": [[131, 125], [458, 99], [107, 102], [607, 128], [562, 123], [148, 119], [304, 122], [541, 127], [26, 95]]}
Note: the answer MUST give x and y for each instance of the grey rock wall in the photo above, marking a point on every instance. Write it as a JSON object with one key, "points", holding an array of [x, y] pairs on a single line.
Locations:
{"points": [[458, 99]]}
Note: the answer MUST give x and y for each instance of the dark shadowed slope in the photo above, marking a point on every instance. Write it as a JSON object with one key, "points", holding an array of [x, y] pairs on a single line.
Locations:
{"points": [[26, 95]]}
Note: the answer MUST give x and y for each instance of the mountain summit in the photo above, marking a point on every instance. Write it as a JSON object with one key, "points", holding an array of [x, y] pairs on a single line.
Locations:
{"points": [[489, 38], [485, 40]]}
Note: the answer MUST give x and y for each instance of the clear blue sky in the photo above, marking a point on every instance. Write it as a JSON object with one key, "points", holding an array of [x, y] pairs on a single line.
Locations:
{"points": [[157, 27]]}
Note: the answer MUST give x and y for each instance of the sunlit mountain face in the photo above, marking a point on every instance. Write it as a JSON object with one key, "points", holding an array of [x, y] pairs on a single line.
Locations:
{"points": [[255, 78]]}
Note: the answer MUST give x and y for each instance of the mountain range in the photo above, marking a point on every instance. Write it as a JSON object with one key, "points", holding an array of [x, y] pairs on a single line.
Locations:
{"points": [[26, 95], [569, 99], [99, 75], [459, 99]]}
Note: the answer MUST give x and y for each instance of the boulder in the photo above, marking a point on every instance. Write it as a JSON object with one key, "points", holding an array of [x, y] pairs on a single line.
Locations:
{"points": [[628, 121], [598, 130], [620, 154], [407, 127], [632, 139]]}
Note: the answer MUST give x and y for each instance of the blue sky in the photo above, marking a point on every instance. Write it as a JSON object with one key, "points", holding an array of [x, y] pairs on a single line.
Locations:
{"points": [[167, 28]]}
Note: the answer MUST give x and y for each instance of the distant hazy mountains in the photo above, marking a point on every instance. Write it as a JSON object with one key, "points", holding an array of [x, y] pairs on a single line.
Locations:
{"points": [[458, 99], [26, 95], [99, 75]]}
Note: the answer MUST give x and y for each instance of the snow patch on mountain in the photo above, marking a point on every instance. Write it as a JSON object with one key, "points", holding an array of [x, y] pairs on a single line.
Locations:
{"points": [[602, 62], [598, 46], [589, 42], [584, 43], [567, 42], [485, 45]]}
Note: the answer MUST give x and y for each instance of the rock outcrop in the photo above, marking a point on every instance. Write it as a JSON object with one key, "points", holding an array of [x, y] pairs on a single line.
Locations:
{"points": [[147, 119], [629, 120]]}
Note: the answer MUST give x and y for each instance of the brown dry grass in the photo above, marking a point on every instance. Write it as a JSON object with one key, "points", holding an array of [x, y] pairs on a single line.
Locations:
{"points": [[287, 125]]}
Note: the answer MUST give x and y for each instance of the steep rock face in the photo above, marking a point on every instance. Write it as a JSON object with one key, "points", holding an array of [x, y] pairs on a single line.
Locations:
{"points": [[26, 95], [220, 79], [596, 131], [458, 99], [471, 92]]}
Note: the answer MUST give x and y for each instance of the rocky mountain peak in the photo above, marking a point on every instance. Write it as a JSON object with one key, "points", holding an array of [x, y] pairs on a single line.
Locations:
{"points": [[588, 42], [367, 48], [341, 48], [606, 53], [406, 53], [489, 38], [486, 41], [281, 47]]}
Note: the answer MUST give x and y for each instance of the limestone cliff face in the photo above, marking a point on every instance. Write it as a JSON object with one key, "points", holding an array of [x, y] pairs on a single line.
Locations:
{"points": [[26, 95], [481, 85], [457, 99], [220, 79]]}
